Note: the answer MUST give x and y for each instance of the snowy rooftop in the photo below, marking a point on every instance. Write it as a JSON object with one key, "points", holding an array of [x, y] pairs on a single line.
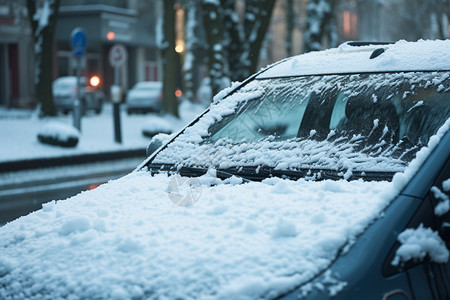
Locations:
{"points": [[401, 56]]}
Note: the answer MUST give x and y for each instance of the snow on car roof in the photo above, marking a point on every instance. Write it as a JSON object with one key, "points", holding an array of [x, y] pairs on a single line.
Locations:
{"points": [[401, 56], [148, 84], [69, 80]]}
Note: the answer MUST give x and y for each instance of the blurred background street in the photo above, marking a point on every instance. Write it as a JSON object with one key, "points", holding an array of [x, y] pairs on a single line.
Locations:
{"points": [[32, 173]]}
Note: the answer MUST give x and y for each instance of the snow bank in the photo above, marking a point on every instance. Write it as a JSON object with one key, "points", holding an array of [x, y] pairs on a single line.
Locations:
{"points": [[59, 134], [59, 131], [126, 239], [418, 243]]}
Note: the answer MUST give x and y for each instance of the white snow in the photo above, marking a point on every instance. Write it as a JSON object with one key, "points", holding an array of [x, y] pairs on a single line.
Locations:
{"points": [[446, 185], [224, 152], [278, 232], [19, 129], [443, 205], [417, 243], [165, 125], [401, 56], [127, 238], [243, 239], [59, 131]]}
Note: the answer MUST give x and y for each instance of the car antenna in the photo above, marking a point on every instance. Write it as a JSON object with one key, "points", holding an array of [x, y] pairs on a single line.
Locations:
{"points": [[377, 52]]}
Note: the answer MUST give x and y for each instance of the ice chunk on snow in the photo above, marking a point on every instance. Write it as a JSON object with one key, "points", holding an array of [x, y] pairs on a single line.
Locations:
{"points": [[446, 185], [418, 243], [444, 203]]}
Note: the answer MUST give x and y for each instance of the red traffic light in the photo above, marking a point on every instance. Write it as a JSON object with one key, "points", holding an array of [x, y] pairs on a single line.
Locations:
{"points": [[94, 81]]}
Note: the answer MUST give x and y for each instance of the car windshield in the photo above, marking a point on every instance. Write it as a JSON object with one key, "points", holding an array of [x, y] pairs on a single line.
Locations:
{"points": [[348, 125]]}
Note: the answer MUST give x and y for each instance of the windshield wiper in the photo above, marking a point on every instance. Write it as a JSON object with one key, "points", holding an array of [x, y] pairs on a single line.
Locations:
{"points": [[194, 171], [261, 173], [249, 174]]}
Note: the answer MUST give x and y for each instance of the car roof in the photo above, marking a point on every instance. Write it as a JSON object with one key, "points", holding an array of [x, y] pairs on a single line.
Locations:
{"points": [[149, 84], [355, 57], [70, 79]]}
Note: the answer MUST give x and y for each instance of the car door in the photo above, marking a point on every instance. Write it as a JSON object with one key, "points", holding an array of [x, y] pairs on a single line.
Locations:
{"points": [[428, 279], [437, 275]]}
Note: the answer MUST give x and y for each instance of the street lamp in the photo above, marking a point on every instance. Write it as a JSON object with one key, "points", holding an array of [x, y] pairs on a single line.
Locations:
{"points": [[179, 47]]}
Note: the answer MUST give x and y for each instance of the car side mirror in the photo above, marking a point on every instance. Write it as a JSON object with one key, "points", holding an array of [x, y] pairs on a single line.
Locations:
{"points": [[156, 142]]}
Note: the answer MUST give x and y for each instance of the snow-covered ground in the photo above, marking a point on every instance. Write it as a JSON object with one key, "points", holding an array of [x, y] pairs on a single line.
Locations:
{"points": [[19, 129]]}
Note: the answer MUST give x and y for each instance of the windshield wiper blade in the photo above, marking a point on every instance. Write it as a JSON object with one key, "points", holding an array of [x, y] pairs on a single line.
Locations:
{"points": [[253, 173], [196, 171], [193, 171]]}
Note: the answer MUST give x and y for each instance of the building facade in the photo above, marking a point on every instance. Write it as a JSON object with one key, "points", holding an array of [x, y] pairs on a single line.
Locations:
{"points": [[132, 23], [16, 56]]}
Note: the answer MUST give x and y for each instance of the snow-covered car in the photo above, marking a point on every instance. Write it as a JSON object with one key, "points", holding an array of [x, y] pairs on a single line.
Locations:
{"points": [[65, 93], [325, 175], [145, 96]]}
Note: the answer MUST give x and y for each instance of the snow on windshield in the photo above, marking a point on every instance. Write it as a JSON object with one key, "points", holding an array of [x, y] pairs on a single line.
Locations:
{"points": [[361, 122]]}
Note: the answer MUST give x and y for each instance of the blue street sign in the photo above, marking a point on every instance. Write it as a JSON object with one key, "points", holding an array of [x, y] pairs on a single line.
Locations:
{"points": [[78, 40]]}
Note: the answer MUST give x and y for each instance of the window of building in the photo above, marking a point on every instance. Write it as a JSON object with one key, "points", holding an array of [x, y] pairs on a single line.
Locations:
{"points": [[349, 24]]}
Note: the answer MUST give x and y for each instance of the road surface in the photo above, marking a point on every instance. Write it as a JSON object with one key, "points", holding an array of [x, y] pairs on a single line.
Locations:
{"points": [[22, 192]]}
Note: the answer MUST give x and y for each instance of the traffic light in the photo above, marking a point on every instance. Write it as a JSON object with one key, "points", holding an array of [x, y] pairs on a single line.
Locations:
{"points": [[94, 81]]}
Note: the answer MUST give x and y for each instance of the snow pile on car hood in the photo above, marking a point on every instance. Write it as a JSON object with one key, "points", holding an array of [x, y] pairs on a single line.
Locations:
{"points": [[126, 239]]}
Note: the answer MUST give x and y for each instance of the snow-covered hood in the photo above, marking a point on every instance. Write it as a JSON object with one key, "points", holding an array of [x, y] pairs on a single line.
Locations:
{"points": [[127, 239]]}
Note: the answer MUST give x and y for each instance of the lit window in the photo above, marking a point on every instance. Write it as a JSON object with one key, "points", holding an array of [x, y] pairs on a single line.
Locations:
{"points": [[349, 24]]}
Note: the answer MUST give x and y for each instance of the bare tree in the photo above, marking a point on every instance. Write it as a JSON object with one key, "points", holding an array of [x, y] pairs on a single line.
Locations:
{"points": [[212, 20], [290, 18], [42, 15], [416, 19], [242, 37], [320, 25], [169, 59], [191, 38]]}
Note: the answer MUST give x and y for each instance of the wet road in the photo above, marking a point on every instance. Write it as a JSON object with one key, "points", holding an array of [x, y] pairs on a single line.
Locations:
{"points": [[22, 192]]}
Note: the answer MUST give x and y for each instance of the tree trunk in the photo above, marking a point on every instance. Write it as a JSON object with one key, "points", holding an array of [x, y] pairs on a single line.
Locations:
{"points": [[289, 26], [235, 42], [189, 56], [169, 59], [43, 33], [214, 35], [257, 20], [320, 25]]}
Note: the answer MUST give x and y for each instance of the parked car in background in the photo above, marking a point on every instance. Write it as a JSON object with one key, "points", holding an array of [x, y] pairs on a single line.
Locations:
{"points": [[65, 93], [323, 176], [145, 96]]}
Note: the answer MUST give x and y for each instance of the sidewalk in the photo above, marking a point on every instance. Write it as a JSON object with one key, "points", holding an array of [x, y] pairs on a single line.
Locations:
{"points": [[19, 128]]}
